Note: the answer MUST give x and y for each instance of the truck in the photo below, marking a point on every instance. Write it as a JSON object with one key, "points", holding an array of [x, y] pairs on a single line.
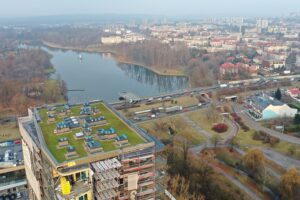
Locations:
{"points": [[173, 109], [223, 85]]}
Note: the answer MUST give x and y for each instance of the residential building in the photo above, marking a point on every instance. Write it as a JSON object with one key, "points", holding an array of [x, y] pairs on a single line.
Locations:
{"points": [[293, 92], [88, 167], [111, 40], [13, 183], [262, 23], [229, 68]]}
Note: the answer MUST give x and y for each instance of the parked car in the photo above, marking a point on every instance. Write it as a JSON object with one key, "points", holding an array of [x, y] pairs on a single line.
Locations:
{"points": [[17, 142]]}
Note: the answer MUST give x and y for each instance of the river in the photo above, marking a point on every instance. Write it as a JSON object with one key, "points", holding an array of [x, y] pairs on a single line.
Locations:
{"points": [[100, 76]]}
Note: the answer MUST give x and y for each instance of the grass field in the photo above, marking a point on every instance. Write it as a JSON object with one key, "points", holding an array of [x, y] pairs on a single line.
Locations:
{"points": [[200, 118], [9, 131], [245, 141], [159, 129], [51, 139]]}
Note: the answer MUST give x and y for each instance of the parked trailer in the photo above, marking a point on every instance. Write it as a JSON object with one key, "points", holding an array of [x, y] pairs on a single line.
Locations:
{"points": [[142, 112], [223, 85], [173, 109]]}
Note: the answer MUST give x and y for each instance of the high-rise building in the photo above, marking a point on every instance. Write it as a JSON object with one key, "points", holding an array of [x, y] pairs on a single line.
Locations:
{"points": [[262, 23], [86, 152]]}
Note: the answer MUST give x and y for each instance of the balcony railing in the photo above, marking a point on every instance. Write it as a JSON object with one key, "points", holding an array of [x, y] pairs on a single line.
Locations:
{"points": [[12, 183]]}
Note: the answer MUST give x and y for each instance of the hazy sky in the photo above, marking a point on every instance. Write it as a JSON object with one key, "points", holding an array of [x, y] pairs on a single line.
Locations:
{"points": [[16, 8]]}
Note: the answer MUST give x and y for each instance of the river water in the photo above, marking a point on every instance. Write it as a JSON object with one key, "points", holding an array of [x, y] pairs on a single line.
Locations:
{"points": [[99, 76]]}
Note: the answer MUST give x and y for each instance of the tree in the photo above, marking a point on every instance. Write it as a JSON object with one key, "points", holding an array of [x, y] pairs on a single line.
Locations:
{"points": [[297, 119], [178, 185], [220, 128], [278, 94], [212, 113], [234, 143], [290, 184], [215, 140], [254, 162], [292, 150], [7, 91]]}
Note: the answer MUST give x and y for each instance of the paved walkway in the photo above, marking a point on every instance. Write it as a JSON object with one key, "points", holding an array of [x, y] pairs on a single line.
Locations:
{"points": [[280, 159], [208, 136], [235, 181], [270, 170], [233, 129], [197, 149], [193, 124]]}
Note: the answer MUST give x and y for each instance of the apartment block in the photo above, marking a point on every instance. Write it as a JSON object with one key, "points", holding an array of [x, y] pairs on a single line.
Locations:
{"points": [[67, 159]]}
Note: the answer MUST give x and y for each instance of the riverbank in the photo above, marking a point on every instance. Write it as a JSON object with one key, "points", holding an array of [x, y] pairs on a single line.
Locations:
{"points": [[163, 72]]}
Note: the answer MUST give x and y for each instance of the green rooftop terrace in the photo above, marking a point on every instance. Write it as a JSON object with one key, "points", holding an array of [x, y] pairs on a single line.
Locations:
{"points": [[51, 139]]}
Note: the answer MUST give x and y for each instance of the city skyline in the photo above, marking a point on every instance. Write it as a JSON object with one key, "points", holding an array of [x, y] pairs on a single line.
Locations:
{"points": [[155, 7]]}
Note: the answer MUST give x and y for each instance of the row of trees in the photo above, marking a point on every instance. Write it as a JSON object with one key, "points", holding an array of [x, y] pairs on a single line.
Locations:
{"points": [[154, 54], [24, 65], [24, 80], [203, 69], [70, 37], [190, 177]]}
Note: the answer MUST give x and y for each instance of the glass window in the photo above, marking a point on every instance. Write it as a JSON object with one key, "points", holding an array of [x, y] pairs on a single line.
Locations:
{"points": [[83, 197]]}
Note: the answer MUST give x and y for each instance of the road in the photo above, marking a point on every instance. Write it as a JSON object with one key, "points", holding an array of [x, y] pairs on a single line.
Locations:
{"points": [[260, 81], [244, 188], [271, 171], [258, 127], [282, 160], [163, 114], [278, 158]]}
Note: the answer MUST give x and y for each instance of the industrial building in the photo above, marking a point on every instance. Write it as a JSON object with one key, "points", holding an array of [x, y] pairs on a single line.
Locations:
{"points": [[60, 165], [265, 107]]}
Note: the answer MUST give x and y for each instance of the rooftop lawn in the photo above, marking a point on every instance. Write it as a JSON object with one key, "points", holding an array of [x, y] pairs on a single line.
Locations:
{"points": [[51, 139]]}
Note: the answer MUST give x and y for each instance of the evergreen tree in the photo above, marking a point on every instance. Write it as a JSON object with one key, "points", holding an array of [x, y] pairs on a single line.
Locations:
{"points": [[278, 94], [297, 119]]}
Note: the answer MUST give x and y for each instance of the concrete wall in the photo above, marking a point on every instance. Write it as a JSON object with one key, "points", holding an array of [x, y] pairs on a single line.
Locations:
{"points": [[32, 181]]}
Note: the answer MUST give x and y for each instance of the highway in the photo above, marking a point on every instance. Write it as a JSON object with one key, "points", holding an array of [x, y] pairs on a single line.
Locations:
{"points": [[231, 84]]}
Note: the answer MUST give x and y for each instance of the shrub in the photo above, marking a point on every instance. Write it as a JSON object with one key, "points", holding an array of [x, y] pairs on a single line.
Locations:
{"points": [[274, 141], [265, 138], [220, 128], [245, 128], [238, 120], [292, 129]]}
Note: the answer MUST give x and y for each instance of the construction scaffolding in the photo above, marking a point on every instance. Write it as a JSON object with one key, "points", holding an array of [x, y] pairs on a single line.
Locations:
{"points": [[106, 178]]}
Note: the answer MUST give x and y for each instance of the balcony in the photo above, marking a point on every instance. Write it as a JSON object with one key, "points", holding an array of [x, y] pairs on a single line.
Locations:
{"points": [[146, 183], [146, 175], [107, 185], [137, 168], [12, 184], [107, 194], [145, 192], [80, 187]]}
